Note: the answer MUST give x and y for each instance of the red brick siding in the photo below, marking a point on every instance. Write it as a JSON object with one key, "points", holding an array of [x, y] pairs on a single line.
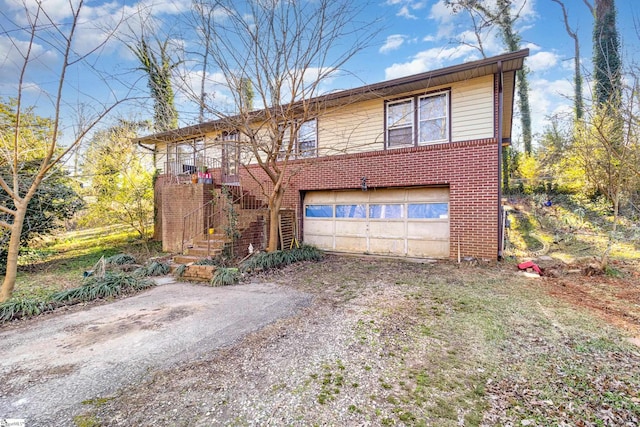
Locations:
{"points": [[469, 169]]}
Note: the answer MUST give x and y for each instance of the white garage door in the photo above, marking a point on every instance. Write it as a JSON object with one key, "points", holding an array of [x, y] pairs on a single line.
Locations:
{"points": [[412, 222]]}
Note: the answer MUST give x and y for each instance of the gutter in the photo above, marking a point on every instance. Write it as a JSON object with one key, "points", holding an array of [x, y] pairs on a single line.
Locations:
{"points": [[499, 137]]}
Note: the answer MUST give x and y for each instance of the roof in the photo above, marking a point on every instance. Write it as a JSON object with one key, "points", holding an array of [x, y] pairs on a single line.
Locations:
{"points": [[510, 62]]}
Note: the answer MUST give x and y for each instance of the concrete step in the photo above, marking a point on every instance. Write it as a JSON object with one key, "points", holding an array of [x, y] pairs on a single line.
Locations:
{"points": [[203, 252]]}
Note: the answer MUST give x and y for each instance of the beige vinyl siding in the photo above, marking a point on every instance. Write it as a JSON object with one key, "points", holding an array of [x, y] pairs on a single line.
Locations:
{"points": [[353, 128], [359, 127], [472, 109], [161, 157]]}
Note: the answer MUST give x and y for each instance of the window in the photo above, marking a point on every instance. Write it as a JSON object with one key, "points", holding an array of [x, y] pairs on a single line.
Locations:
{"points": [[185, 157], [307, 138], [400, 123], [428, 210], [305, 143], [433, 124], [432, 117], [351, 211], [318, 211], [385, 211]]}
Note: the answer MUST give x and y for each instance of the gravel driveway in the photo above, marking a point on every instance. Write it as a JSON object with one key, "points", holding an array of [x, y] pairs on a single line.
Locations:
{"points": [[50, 365]]}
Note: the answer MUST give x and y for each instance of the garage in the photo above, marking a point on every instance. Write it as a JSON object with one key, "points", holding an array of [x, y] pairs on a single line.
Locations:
{"points": [[395, 221]]}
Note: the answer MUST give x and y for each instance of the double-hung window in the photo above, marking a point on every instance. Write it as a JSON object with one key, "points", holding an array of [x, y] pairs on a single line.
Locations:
{"points": [[307, 139], [400, 123], [305, 143], [433, 123], [418, 120]]}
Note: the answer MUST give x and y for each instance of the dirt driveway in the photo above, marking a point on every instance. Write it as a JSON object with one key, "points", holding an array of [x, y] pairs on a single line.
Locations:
{"points": [[50, 365]]}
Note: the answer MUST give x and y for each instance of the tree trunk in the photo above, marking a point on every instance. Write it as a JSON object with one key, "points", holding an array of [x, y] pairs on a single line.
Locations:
{"points": [[12, 253], [274, 219]]}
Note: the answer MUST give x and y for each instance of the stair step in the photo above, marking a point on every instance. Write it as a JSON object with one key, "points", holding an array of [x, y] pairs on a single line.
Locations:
{"points": [[185, 259], [203, 252]]}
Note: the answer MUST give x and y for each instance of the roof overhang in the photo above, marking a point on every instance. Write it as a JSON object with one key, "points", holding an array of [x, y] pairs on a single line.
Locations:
{"points": [[510, 62]]}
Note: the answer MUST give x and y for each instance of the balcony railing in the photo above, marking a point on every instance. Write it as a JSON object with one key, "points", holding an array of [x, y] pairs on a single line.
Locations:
{"points": [[188, 167]]}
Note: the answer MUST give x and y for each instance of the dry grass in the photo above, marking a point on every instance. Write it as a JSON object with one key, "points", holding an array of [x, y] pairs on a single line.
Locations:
{"points": [[397, 343], [59, 262]]}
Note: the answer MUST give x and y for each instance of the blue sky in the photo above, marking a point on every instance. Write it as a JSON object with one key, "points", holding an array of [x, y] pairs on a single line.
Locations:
{"points": [[417, 35]]}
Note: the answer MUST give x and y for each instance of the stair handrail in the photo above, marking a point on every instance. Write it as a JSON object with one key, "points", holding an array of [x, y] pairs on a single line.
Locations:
{"points": [[210, 215], [198, 221]]}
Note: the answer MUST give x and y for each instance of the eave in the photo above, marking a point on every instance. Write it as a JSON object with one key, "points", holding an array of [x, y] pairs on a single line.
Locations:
{"points": [[511, 61]]}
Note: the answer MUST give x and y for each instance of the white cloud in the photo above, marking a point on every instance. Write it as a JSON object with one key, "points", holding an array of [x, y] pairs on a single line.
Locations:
{"points": [[12, 51], [407, 7], [542, 61], [404, 13], [393, 42], [547, 98], [430, 59], [441, 12]]}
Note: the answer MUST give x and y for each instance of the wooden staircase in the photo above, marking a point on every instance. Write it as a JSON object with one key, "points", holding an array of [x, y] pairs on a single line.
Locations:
{"points": [[204, 245]]}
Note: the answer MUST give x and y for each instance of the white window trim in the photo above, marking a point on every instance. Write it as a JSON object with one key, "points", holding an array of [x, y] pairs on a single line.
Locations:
{"points": [[415, 120], [446, 118], [412, 125], [296, 152]]}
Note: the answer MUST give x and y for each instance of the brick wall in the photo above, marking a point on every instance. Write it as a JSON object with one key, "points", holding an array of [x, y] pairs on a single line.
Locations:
{"points": [[177, 201], [469, 169]]}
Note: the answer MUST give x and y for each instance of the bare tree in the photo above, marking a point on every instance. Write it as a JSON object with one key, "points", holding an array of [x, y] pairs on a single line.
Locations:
{"points": [[577, 74], [286, 51], [60, 37]]}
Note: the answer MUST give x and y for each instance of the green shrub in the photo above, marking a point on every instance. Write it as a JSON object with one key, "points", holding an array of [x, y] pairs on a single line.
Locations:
{"points": [[22, 307], [120, 259], [157, 269], [224, 276], [154, 268], [111, 285], [179, 271], [269, 260]]}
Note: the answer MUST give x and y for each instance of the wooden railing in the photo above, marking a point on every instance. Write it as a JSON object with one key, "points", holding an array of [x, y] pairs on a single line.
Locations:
{"points": [[188, 167], [198, 222], [214, 214]]}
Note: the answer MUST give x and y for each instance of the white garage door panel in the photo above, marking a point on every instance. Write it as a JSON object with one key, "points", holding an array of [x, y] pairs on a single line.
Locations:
{"points": [[324, 242], [381, 221], [428, 195], [393, 230], [350, 244], [387, 246], [318, 227], [347, 227], [387, 196], [431, 230], [426, 248]]}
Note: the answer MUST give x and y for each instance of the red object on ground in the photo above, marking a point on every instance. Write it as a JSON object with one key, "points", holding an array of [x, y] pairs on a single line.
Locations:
{"points": [[530, 264]]}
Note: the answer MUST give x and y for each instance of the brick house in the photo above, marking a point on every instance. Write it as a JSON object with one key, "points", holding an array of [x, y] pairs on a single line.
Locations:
{"points": [[405, 167]]}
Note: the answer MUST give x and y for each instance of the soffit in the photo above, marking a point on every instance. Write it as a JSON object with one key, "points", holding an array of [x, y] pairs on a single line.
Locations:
{"points": [[510, 62]]}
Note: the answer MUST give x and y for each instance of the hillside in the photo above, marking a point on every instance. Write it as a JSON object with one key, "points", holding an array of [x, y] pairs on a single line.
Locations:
{"points": [[568, 240]]}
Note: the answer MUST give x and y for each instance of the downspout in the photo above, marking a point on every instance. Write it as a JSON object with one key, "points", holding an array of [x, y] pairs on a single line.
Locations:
{"points": [[499, 136], [153, 151]]}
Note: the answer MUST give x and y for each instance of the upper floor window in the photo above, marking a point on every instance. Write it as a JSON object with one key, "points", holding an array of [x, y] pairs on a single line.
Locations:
{"points": [[305, 142], [307, 139], [400, 123], [418, 120]]}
